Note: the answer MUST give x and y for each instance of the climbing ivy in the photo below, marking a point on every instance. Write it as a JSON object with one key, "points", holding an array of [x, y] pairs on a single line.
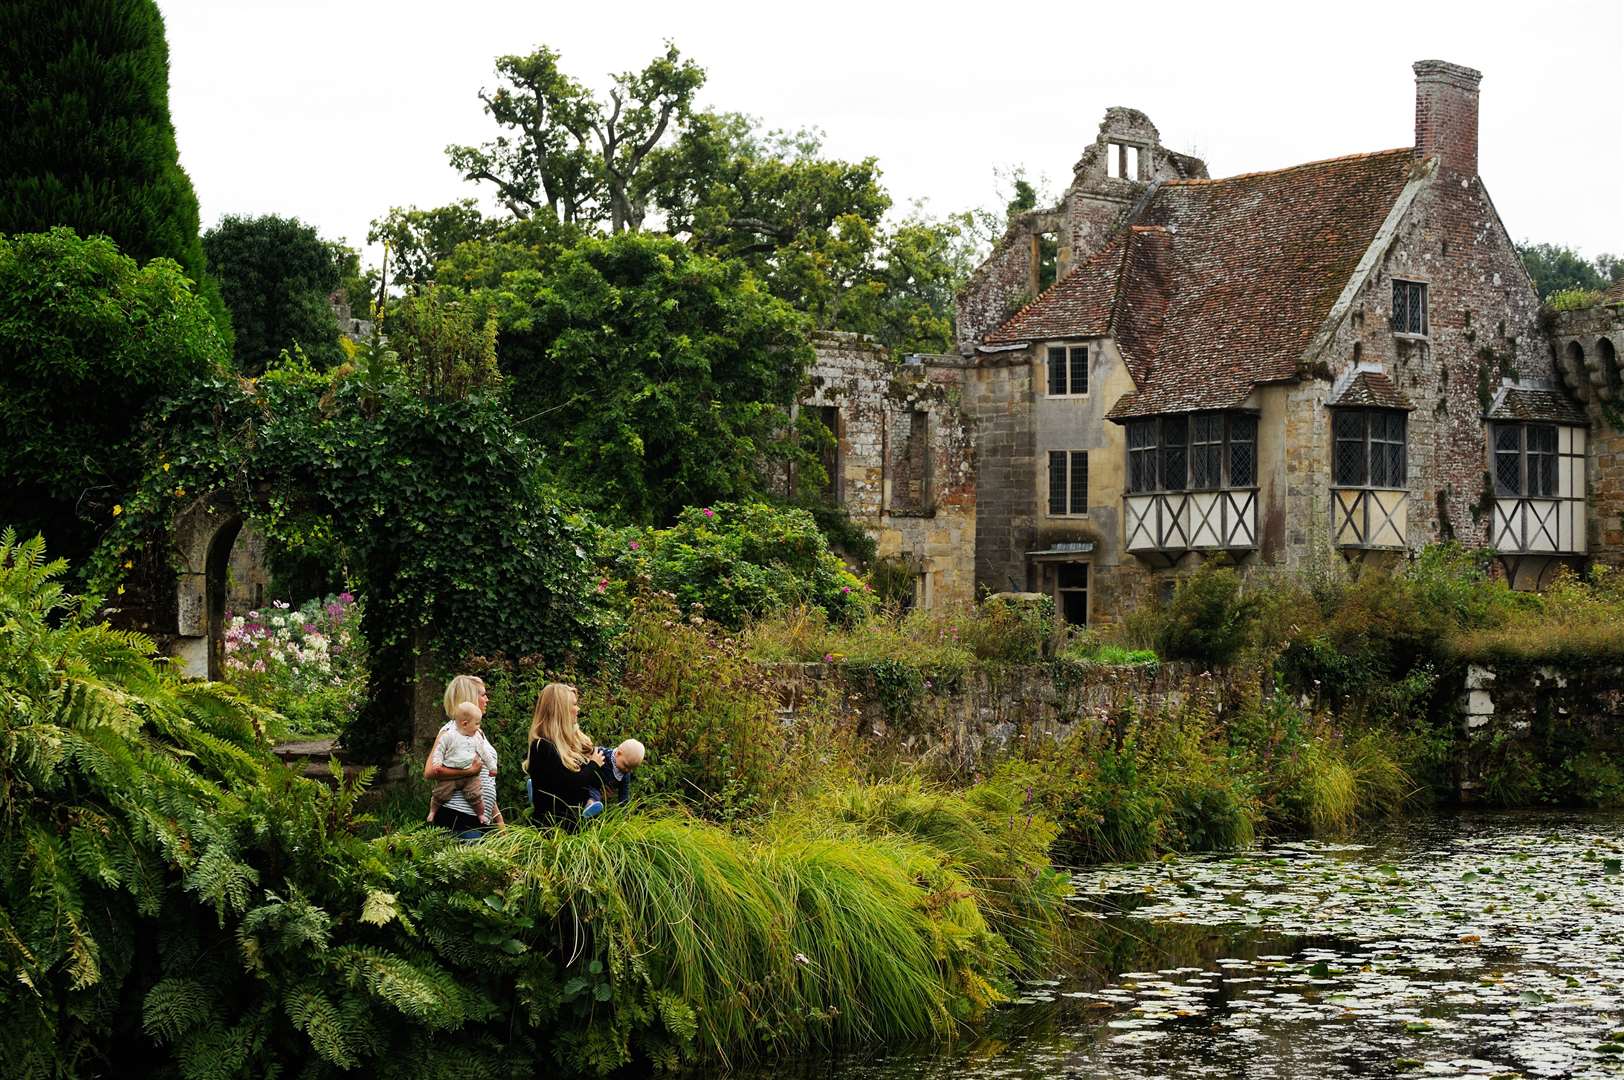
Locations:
{"points": [[435, 503]]}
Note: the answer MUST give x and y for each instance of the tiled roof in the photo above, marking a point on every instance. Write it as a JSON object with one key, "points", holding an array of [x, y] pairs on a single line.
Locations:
{"points": [[1229, 282], [1524, 403], [1371, 390]]}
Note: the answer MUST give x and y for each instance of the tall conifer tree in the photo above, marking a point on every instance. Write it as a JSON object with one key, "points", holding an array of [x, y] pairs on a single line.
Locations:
{"points": [[84, 120]]}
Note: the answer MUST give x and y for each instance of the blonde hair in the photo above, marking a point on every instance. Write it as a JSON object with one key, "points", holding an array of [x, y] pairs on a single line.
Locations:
{"points": [[466, 710], [555, 722], [463, 690]]}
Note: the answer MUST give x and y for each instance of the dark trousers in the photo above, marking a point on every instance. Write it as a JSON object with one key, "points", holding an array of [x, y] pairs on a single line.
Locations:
{"points": [[461, 825]]}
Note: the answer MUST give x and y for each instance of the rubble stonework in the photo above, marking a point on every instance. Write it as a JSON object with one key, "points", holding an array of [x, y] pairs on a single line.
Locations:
{"points": [[919, 509], [1587, 343]]}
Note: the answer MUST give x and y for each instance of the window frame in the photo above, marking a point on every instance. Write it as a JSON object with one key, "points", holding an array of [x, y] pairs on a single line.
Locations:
{"points": [[1422, 289], [1069, 484], [1546, 460], [1369, 442], [1071, 358], [1155, 452]]}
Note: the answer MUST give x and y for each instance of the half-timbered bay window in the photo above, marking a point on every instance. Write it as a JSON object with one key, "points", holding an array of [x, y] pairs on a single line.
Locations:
{"points": [[1370, 477], [1539, 488], [1190, 481], [1192, 452]]}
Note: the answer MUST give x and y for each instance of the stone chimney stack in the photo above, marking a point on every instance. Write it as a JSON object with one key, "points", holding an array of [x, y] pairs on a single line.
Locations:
{"points": [[1446, 114]]}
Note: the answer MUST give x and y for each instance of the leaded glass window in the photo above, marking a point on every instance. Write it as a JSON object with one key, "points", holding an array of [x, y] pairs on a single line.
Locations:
{"points": [[1175, 440], [1068, 370], [1409, 307], [1508, 460], [1068, 482], [1525, 460], [1143, 459], [1206, 451], [1348, 457], [1368, 448], [1242, 450], [1057, 370]]}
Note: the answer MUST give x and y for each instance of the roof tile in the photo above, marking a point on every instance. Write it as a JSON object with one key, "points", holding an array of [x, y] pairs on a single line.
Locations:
{"points": [[1223, 283]]}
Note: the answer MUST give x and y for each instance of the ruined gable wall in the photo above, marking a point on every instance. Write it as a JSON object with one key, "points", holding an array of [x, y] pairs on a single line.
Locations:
{"points": [[875, 397]]}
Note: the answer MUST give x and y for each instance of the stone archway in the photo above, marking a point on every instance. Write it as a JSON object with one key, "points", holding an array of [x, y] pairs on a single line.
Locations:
{"points": [[203, 536]]}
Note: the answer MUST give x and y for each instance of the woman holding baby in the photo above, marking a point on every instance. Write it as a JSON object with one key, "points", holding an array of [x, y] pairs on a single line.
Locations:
{"points": [[457, 804], [567, 773]]}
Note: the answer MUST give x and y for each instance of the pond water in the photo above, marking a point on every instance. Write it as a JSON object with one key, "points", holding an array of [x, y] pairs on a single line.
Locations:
{"points": [[1467, 946]]}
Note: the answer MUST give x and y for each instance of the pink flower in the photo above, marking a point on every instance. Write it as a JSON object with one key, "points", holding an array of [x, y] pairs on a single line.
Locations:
{"points": [[828, 658], [708, 512], [346, 597], [603, 583], [845, 588], [635, 545]]}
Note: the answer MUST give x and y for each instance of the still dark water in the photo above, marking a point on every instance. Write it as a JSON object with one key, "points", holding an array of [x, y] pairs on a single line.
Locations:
{"points": [[1464, 946]]}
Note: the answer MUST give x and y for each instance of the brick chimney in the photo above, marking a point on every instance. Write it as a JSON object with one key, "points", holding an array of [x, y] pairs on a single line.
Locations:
{"points": [[1446, 114]]}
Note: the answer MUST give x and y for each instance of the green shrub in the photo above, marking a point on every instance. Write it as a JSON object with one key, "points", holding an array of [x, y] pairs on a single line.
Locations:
{"points": [[737, 561], [169, 893], [1011, 629], [1210, 619]]}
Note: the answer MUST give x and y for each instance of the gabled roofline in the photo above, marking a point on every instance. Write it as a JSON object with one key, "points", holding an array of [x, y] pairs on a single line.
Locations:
{"points": [[1371, 261]]}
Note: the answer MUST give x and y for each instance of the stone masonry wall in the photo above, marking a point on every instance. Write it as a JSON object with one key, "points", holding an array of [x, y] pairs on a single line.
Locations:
{"points": [[1483, 328], [1587, 344], [954, 727], [1550, 714], [1000, 402], [920, 510]]}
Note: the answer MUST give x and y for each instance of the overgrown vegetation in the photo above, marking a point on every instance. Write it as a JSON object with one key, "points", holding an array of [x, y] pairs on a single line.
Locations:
{"points": [[175, 901]]}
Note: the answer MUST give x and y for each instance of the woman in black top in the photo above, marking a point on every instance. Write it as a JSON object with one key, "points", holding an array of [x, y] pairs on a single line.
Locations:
{"points": [[559, 758]]}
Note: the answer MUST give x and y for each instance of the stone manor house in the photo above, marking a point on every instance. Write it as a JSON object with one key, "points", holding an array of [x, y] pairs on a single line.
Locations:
{"points": [[1341, 359]]}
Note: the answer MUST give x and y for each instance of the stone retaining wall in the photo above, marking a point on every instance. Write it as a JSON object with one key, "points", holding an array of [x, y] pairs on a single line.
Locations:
{"points": [[952, 724], [1552, 713]]}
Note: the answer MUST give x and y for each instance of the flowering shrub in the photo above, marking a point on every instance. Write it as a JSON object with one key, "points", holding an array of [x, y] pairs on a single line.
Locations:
{"points": [[307, 663]]}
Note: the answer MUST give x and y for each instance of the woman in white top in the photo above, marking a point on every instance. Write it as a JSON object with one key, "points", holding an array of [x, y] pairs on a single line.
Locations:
{"points": [[456, 814]]}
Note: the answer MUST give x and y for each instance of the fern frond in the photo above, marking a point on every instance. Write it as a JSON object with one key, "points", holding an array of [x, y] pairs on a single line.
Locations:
{"points": [[175, 1006], [313, 1013]]}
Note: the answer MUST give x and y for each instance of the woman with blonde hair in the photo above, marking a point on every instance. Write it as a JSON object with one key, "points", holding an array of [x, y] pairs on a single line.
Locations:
{"points": [[558, 757], [457, 814]]}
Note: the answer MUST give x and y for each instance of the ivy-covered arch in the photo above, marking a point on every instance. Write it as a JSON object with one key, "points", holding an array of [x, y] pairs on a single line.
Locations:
{"points": [[433, 502]]}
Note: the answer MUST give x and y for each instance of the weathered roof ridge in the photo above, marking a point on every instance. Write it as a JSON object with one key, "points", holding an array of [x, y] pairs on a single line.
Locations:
{"points": [[1408, 151]]}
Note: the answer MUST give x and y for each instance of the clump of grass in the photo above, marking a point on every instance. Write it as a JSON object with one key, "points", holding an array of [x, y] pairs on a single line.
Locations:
{"points": [[838, 922], [992, 835]]}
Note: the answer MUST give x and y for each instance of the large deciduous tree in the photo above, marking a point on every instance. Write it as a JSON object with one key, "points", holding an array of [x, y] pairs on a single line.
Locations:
{"points": [[1556, 268], [655, 377], [568, 154], [84, 119], [90, 342], [419, 240], [276, 275]]}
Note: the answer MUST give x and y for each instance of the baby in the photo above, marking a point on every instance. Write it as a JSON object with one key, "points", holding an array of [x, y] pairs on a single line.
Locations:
{"points": [[463, 746], [616, 770]]}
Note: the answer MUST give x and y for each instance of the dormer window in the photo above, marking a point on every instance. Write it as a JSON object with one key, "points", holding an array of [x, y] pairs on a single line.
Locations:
{"points": [[1068, 370], [1410, 308]]}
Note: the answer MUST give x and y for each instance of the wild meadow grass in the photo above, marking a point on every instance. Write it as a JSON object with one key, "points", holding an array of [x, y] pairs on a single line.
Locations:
{"points": [[867, 915]]}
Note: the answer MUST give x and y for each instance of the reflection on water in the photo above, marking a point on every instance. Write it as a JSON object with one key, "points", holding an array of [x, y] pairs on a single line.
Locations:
{"points": [[1480, 945]]}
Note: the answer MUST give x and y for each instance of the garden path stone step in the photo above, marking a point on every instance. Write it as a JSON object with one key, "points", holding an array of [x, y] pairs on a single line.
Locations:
{"points": [[313, 757]]}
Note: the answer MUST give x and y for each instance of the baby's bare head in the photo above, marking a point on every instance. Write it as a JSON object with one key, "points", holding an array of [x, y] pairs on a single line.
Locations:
{"points": [[467, 717], [629, 755]]}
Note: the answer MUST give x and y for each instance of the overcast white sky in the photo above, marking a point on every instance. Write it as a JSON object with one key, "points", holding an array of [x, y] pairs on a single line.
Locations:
{"points": [[334, 111]]}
